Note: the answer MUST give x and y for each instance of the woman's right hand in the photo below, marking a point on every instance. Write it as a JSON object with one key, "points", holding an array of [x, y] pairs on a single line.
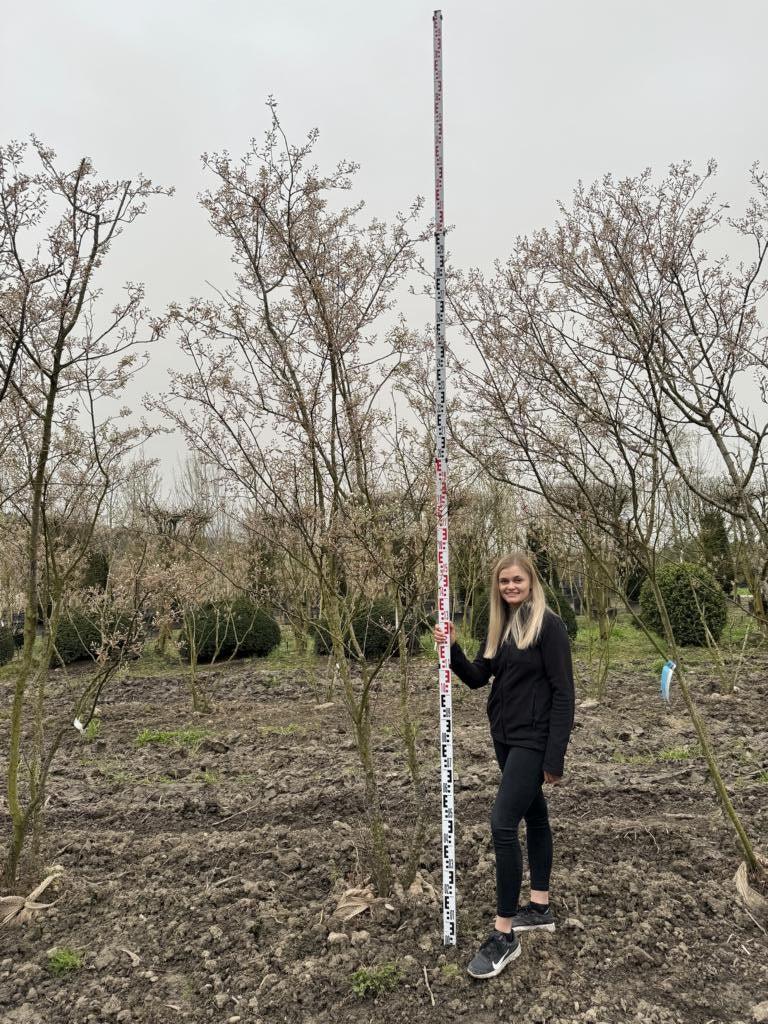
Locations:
{"points": [[440, 634]]}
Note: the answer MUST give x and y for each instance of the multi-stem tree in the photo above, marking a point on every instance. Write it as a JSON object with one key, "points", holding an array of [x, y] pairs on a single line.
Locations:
{"points": [[64, 360], [562, 404], [284, 383], [637, 258]]}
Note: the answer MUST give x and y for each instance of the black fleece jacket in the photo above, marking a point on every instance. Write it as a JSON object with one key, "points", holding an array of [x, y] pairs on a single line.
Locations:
{"points": [[532, 697]]}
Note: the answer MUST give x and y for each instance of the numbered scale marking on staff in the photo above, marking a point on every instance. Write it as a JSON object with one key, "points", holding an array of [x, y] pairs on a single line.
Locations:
{"points": [[443, 610]]}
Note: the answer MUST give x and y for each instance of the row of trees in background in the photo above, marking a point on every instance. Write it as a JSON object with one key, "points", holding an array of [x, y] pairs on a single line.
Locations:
{"points": [[601, 416]]}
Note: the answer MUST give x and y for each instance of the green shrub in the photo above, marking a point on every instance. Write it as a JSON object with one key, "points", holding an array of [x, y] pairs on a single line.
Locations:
{"points": [[556, 600], [7, 646], [224, 629], [560, 604], [694, 601], [374, 628], [374, 625], [77, 637], [716, 549], [256, 629]]}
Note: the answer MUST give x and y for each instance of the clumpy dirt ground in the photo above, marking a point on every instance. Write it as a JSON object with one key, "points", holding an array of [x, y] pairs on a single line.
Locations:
{"points": [[201, 884]]}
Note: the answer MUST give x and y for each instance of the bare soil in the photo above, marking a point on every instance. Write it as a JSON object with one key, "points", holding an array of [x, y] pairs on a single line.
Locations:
{"points": [[202, 883]]}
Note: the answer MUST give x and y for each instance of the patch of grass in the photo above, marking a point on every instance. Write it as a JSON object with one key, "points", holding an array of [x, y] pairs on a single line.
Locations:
{"points": [[629, 644], [116, 776], [289, 729], [291, 652], [189, 737], [109, 773], [626, 642], [245, 779], [64, 960], [684, 753], [107, 769], [207, 777], [619, 758], [763, 776], [451, 972], [740, 627], [372, 982], [9, 672]]}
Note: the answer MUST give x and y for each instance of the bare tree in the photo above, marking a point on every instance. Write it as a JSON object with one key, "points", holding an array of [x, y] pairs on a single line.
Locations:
{"points": [[62, 359], [559, 404], [642, 286], [285, 391]]}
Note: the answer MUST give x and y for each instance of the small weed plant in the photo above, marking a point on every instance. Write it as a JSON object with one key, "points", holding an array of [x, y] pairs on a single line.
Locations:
{"points": [[92, 731], [114, 775], [64, 960], [372, 982], [450, 972], [687, 752]]}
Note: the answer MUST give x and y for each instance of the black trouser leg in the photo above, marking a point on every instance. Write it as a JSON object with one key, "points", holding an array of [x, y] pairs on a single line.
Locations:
{"points": [[539, 842], [519, 796]]}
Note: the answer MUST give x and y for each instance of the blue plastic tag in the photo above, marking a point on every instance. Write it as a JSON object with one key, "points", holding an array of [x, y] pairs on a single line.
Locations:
{"points": [[666, 679]]}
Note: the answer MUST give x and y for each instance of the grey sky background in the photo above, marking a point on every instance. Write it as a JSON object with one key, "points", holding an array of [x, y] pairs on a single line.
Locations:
{"points": [[537, 96]]}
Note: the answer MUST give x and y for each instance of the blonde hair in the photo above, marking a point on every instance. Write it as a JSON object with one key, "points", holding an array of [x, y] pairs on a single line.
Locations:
{"points": [[523, 624]]}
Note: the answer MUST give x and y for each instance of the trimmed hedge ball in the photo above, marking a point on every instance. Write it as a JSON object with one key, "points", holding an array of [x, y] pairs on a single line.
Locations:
{"points": [[223, 630], [77, 637], [694, 601], [374, 625]]}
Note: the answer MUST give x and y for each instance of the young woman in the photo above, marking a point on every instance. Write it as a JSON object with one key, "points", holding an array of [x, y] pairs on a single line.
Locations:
{"points": [[530, 708]]}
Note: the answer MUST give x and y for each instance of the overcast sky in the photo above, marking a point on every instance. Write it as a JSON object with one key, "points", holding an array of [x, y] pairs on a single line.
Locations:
{"points": [[537, 96]]}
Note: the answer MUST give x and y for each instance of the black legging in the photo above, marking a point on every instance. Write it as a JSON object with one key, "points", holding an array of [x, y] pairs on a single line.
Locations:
{"points": [[520, 796]]}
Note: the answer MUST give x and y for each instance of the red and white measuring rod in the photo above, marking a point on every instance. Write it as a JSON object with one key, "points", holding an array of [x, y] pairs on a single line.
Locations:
{"points": [[443, 611]]}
